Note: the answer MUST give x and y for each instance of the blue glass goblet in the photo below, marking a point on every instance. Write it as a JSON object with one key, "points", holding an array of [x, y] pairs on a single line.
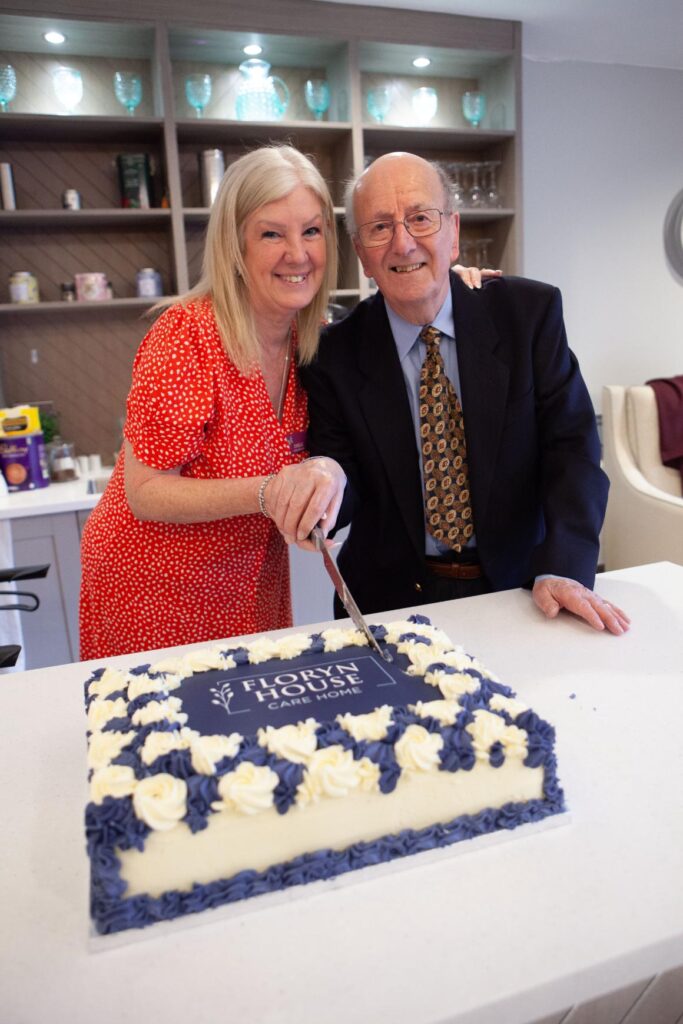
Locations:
{"points": [[8, 85], [317, 92], [474, 107], [379, 103], [198, 92], [128, 90]]}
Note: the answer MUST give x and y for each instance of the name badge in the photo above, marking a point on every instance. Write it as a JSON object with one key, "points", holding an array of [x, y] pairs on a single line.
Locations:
{"points": [[297, 441]]}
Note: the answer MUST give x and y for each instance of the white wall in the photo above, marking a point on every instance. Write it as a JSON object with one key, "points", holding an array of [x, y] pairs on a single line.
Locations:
{"points": [[603, 158]]}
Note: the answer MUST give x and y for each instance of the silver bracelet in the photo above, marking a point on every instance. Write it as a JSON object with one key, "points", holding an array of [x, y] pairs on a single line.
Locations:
{"points": [[262, 494]]}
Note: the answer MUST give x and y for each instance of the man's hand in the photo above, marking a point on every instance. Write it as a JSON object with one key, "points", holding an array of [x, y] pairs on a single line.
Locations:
{"points": [[304, 495], [552, 594]]}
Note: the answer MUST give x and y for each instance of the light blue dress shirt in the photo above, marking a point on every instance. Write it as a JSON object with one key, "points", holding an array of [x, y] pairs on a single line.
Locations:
{"points": [[411, 353]]}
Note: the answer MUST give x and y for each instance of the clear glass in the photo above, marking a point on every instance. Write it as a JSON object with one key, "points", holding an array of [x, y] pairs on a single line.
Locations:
{"points": [[425, 104], [379, 103], [456, 170], [260, 96], [198, 92], [475, 193], [492, 196], [8, 85], [474, 108], [68, 86], [317, 92], [481, 249]]}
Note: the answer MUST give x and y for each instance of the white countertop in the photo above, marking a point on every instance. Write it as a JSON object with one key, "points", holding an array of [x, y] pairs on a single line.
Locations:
{"points": [[67, 497], [504, 934]]}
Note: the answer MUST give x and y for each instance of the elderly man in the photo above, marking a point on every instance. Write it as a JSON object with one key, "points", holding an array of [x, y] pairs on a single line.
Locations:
{"points": [[459, 417]]}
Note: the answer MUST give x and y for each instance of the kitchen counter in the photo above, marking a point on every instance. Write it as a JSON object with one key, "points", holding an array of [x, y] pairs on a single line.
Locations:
{"points": [[499, 934], [67, 497]]}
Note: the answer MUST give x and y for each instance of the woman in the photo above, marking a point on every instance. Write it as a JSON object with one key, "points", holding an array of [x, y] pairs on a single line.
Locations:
{"points": [[180, 547]]}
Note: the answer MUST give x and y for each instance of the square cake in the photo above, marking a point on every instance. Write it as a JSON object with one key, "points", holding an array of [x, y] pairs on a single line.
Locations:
{"points": [[222, 774]]}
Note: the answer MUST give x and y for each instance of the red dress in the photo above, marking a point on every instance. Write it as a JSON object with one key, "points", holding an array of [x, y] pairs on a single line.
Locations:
{"points": [[149, 584]]}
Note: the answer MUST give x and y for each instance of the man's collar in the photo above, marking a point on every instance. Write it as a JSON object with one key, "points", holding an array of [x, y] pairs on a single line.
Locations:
{"points": [[406, 333]]}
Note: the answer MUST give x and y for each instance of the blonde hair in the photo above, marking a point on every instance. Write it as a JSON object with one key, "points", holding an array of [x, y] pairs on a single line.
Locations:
{"points": [[262, 176]]}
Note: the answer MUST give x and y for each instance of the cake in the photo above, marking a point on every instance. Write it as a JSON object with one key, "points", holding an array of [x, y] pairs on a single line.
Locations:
{"points": [[225, 773]]}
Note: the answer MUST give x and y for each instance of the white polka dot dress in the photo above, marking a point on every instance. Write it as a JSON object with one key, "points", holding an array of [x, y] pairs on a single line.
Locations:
{"points": [[150, 584]]}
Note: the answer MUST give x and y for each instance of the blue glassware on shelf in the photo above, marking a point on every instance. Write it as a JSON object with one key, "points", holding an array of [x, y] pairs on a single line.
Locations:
{"points": [[260, 96], [128, 90], [8, 85], [425, 104], [474, 107], [198, 92], [317, 92], [379, 103]]}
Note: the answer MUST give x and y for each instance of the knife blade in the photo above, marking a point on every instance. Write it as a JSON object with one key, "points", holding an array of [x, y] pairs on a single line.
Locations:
{"points": [[350, 605]]}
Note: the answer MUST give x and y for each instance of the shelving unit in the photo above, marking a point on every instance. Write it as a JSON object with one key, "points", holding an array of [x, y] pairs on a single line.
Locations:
{"points": [[79, 354]]}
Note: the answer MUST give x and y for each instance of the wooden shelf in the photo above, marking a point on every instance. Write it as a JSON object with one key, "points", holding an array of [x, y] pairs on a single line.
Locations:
{"points": [[74, 308], [389, 137], [217, 132], [83, 218], [81, 129]]}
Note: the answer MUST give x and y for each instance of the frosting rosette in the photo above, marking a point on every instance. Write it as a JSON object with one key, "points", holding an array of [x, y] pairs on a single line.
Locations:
{"points": [[160, 801], [452, 684], [168, 710], [247, 790], [336, 639], [486, 729], [207, 751], [103, 747], [263, 649], [444, 711], [331, 771], [512, 706], [111, 681], [206, 661], [159, 743], [418, 750], [295, 743], [116, 780], [371, 726], [293, 646], [102, 711], [140, 686]]}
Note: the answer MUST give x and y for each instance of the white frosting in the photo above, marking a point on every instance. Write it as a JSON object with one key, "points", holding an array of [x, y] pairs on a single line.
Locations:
{"points": [[103, 747], [418, 750], [207, 751], [139, 686], [445, 711], [116, 780], [372, 726], [331, 771], [515, 742], [513, 707], [247, 790], [160, 710], [485, 730], [294, 742], [160, 801], [263, 649], [110, 681], [454, 685], [335, 639], [293, 646], [102, 711], [159, 743], [206, 661]]}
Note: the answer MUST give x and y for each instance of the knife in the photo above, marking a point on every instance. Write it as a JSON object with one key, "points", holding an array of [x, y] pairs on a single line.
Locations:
{"points": [[350, 605]]}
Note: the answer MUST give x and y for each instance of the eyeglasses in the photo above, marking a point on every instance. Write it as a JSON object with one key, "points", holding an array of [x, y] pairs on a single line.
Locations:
{"points": [[418, 224]]}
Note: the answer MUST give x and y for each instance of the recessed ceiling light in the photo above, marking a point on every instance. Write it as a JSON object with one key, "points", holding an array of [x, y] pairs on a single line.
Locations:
{"points": [[253, 50], [421, 62], [56, 38]]}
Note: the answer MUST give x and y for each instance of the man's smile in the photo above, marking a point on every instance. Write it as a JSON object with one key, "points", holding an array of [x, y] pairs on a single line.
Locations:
{"points": [[408, 268]]}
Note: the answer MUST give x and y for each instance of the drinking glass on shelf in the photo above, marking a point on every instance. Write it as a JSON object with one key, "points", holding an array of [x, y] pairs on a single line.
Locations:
{"points": [[68, 86], [455, 171], [379, 103], [481, 252], [492, 196], [128, 90], [8, 85], [474, 107], [317, 92], [475, 193], [466, 253], [425, 104], [198, 92]]}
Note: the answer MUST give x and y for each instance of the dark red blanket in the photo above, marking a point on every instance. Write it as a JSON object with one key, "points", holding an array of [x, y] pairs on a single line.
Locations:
{"points": [[669, 394]]}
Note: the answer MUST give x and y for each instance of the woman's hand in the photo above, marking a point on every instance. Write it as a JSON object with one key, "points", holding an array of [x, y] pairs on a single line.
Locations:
{"points": [[302, 496], [472, 276]]}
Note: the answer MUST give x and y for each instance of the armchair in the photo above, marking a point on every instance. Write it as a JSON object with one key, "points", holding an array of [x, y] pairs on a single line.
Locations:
{"points": [[644, 520]]}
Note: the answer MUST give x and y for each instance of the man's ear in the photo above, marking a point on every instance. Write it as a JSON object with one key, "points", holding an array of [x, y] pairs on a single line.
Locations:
{"points": [[360, 253]]}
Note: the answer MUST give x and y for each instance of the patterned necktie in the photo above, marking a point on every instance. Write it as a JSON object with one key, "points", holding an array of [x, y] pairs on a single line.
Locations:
{"points": [[444, 450]]}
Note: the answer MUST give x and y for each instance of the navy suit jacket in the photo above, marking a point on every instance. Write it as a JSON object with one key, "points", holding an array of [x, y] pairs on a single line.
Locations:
{"points": [[537, 491]]}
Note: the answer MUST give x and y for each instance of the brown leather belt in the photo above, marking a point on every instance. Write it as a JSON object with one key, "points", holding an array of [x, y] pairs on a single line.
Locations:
{"points": [[454, 570]]}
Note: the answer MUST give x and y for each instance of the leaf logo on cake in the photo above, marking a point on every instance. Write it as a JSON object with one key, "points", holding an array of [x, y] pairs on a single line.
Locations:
{"points": [[222, 697]]}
